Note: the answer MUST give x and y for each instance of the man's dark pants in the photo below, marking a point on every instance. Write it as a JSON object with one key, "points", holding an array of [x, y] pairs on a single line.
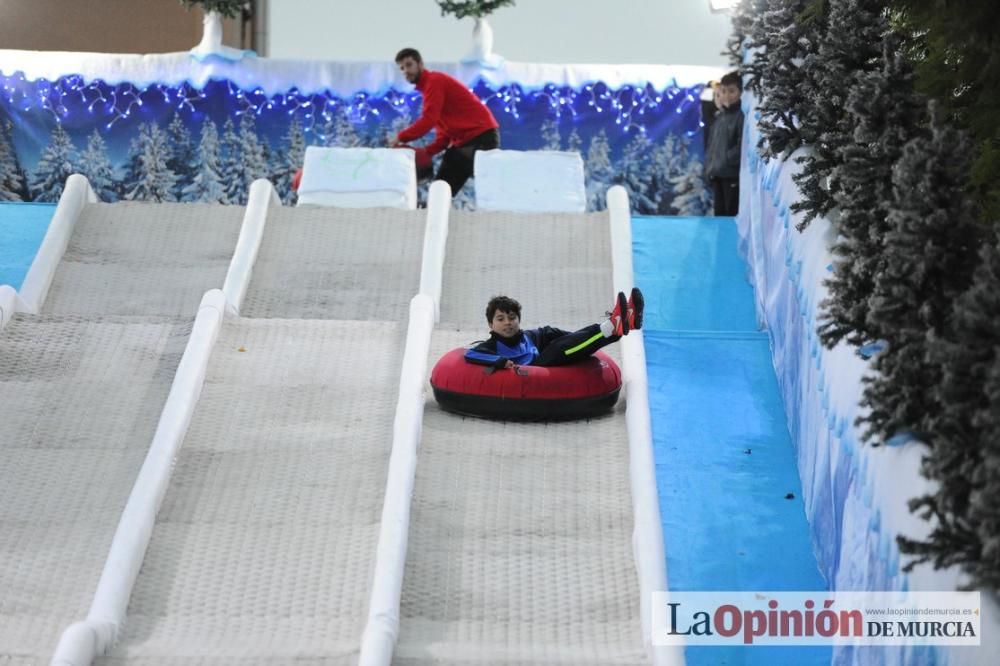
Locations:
{"points": [[458, 161]]}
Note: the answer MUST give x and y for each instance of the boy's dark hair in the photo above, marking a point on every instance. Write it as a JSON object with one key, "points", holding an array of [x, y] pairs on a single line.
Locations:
{"points": [[408, 53], [503, 304], [730, 79]]}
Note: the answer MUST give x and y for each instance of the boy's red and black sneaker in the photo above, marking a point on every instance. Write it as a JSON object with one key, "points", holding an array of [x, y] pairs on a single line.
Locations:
{"points": [[619, 316], [634, 309]]}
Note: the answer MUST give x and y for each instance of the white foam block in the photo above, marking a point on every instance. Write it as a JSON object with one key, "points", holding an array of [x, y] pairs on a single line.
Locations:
{"points": [[358, 178], [532, 181]]}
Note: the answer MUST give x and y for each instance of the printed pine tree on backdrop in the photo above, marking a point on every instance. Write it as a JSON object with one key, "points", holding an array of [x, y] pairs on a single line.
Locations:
{"points": [[97, 168], [850, 46], [885, 113], [207, 184], [182, 154], [599, 172], [930, 250], [964, 459], [231, 163], [290, 162], [147, 177], [12, 180], [57, 163]]}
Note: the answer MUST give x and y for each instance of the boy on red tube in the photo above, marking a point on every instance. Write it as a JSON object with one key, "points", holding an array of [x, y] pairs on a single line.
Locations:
{"points": [[508, 346]]}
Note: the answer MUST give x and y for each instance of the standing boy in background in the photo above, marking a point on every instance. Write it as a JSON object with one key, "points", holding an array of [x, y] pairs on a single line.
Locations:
{"points": [[722, 161]]}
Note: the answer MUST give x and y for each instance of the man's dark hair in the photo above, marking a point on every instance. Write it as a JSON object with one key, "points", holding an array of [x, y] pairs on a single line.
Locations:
{"points": [[408, 53], [503, 304], [730, 79]]}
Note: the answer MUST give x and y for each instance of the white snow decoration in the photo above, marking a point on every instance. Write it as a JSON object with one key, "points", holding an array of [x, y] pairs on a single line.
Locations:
{"points": [[211, 42], [359, 178], [482, 47], [532, 181], [344, 79]]}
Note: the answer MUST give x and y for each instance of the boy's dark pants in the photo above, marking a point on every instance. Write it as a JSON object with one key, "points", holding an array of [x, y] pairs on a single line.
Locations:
{"points": [[574, 347], [727, 195], [457, 163]]}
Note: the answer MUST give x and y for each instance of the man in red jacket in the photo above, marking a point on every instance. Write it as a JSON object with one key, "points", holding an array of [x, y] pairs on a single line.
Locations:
{"points": [[461, 122]]}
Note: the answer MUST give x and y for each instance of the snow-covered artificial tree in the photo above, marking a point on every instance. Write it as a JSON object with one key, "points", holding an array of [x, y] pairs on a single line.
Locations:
{"points": [[207, 184], [743, 16], [231, 160], [850, 46], [885, 114], [12, 180], [930, 250], [147, 175], [182, 154], [58, 162], [964, 459], [599, 171], [781, 40], [96, 166]]}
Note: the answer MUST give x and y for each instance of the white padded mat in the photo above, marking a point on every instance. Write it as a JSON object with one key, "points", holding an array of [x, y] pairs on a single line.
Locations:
{"points": [[134, 258], [520, 547], [329, 263], [264, 547], [79, 402]]}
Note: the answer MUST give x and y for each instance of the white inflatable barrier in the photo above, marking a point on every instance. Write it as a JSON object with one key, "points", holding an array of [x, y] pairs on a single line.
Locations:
{"points": [[83, 641], [647, 536], [359, 178], [382, 629], [35, 287], [262, 198], [8, 304], [435, 243], [530, 181]]}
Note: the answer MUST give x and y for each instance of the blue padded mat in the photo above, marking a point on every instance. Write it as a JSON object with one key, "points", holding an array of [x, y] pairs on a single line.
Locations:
{"points": [[22, 228], [724, 458]]}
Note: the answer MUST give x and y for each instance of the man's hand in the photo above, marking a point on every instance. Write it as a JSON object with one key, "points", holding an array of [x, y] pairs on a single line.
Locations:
{"points": [[509, 364], [394, 141]]}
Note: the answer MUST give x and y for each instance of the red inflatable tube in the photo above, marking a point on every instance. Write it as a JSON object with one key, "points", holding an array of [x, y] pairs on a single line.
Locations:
{"points": [[576, 391]]}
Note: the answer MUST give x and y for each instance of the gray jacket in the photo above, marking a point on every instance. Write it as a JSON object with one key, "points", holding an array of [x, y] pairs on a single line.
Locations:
{"points": [[722, 159]]}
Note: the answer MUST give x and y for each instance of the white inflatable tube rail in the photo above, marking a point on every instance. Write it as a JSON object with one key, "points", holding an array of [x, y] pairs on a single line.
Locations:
{"points": [[382, 629], [435, 243], [8, 304], [262, 198], [647, 537], [35, 287], [83, 641]]}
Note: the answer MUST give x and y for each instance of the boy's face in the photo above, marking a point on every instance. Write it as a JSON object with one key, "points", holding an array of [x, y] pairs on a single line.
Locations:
{"points": [[729, 94], [505, 324]]}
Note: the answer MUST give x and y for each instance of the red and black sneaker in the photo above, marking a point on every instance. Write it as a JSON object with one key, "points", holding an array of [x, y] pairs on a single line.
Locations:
{"points": [[635, 307], [619, 316]]}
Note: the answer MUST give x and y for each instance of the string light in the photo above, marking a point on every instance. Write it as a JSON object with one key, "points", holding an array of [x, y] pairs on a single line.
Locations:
{"points": [[71, 95]]}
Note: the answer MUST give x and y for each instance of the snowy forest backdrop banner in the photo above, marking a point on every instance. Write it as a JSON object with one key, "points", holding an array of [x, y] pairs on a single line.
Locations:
{"points": [[180, 143]]}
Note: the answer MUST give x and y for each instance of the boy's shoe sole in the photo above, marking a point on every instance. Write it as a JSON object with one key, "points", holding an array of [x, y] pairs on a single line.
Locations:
{"points": [[636, 304]]}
